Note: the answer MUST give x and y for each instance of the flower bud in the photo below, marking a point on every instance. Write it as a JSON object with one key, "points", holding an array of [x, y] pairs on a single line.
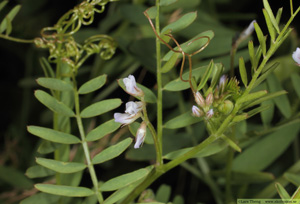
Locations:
{"points": [[209, 113], [209, 99], [140, 135], [196, 111], [226, 107], [199, 99]]}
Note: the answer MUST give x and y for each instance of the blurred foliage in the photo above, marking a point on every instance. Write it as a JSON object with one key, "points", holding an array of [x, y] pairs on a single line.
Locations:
{"points": [[270, 141]]}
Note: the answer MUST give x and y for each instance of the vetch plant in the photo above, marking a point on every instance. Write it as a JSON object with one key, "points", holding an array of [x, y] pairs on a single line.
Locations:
{"points": [[206, 131]]}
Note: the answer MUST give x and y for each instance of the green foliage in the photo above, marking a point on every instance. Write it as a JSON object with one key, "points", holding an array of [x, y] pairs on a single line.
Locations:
{"points": [[203, 85]]}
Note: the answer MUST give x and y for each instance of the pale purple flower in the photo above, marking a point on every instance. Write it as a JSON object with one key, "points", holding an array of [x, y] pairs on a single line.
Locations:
{"points": [[132, 112], [296, 56], [140, 136], [249, 30], [199, 99], [133, 107], [131, 87], [210, 113], [196, 111]]}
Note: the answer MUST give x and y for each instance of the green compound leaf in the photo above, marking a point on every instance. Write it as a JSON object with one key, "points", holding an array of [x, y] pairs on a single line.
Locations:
{"points": [[93, 84], [282, 192], [243, 71], [121, 193], [53, 104], [41, 198], [211, 149], [61, 167], [166, 2], [170, 63], [182, 120], [102, 130], [292, 178], [282, 102], [206, 75], [38, 171], [271, 15], [264, 151], [53, 135], [124, 180], [270, 26], [163, 193], [112, 151], [100, 108], [9, 18], [261, 38], [252, 96], [13, 177], [54, 84], [68, 191], [178, 85], [189, 47], [149, 95], [183, 22], [3, 4]]}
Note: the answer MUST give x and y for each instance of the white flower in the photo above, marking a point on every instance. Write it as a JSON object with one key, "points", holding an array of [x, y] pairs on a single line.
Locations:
{"points": [[222, 83], [196, 111], [131, 87], [210, 113], [140, 136], [132, 112], [296, 56]]}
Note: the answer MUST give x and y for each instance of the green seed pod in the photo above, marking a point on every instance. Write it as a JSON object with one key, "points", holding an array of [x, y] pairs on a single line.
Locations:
{"points": [[226, 107]]}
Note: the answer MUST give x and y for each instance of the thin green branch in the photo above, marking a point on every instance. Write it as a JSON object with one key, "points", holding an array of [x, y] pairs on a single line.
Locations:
{"points": [[84, 143], [19, 40], [159, 85]]}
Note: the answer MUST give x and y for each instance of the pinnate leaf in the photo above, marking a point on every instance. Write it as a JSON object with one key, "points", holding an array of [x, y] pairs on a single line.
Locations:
{"points": [[53, 135], [102, 130], [93, 84], [124, 180], [100, 108], [68, 191], [53, 104], [112, 151], [61, 167]]}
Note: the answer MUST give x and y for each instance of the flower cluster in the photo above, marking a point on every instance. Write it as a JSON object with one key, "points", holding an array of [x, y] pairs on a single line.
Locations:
{"points": [[133, 110], [217, 102]]}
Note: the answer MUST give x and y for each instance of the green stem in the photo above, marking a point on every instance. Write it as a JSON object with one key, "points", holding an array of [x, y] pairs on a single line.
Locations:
{"points": [[153, 132], [15, 39], [84, 143], [159, 86], [160, 170]]}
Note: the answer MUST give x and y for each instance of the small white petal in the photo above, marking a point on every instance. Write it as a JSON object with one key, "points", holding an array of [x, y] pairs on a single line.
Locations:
{"points": [[296, 55], [133, 107], [131, 88], [125, 118], [199, 99]]}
